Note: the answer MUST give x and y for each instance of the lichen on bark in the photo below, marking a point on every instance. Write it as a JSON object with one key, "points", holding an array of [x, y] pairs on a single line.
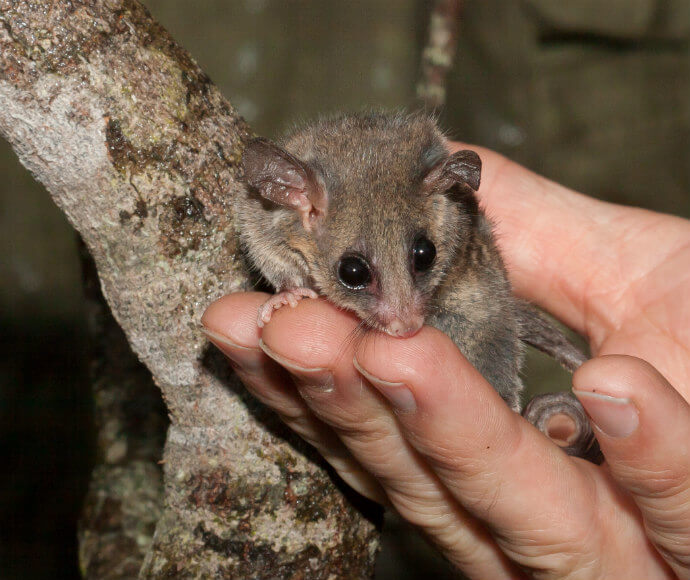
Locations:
{"points": [[141, 152]]}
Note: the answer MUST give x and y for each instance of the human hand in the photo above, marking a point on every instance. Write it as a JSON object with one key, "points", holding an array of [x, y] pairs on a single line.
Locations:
{"points": [[440, 446]]}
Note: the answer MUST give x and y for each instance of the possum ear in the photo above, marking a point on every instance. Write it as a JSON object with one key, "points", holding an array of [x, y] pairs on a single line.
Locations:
{"points": [[466, 167], [463, 167], [284, 180]]}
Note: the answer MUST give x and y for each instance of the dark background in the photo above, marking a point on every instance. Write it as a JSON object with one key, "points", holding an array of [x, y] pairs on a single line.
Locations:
{"points": [[592, 93]]}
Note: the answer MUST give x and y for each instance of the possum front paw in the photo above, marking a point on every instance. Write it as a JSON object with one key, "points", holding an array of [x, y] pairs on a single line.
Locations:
{"points": [[563, 420], [280, 299]]}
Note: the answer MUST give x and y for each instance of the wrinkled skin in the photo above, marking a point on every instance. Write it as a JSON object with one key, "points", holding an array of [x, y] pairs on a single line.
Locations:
{"points": [[410, 423]]}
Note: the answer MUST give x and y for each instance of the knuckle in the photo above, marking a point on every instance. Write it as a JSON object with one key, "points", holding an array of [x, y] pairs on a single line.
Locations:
{"points": [[675, 552], [372, 435], [548, 559], [301, 423], [657, 483], [471, 458]]}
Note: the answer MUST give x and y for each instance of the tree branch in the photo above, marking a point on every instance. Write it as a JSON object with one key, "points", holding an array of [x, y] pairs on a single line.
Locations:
{"points": [[141, 152]]}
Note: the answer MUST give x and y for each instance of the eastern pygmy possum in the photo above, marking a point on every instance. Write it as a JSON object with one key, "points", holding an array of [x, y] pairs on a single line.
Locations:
{"points": [[373, 212]]}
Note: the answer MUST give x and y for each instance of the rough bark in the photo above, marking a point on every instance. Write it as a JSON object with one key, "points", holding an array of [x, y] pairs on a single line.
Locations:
{"points": [[125, 495], [140, 151]]}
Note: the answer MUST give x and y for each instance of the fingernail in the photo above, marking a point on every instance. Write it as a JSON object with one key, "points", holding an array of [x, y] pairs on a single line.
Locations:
{"points": [[317, 378], [398, 394], [614, 416], [246, 357]]}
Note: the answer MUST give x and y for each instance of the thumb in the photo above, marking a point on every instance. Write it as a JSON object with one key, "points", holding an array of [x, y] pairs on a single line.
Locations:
{"points": [[643, 427]]}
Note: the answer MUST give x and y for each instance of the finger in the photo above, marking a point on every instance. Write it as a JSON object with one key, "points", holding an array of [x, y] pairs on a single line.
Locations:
{"points": [[314, 342], [643, 427], [572, 254], [541, 506], [230, 324]]}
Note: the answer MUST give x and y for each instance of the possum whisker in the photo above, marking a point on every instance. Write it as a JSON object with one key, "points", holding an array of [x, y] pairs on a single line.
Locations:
{"points": [[354, 337]]}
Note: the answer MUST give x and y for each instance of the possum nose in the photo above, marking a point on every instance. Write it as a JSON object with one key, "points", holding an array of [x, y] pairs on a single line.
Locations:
{"points": [[405, 328]]}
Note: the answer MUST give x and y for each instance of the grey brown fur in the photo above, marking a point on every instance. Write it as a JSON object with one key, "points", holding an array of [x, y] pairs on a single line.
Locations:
{"points": [[371, 184]]}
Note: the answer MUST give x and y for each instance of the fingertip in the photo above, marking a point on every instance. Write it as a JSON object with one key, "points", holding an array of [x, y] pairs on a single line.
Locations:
{"points": [[624, 375], [234, 316], [606, 384], [434, 370], [311, 334], [641, 421], [412, 361]]}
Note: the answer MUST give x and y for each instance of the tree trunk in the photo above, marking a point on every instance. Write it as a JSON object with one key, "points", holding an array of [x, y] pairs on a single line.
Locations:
{"points": [[141, 152]]}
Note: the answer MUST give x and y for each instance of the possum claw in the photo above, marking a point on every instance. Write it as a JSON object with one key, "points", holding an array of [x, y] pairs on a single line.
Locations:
{"points": [[280, 299]]}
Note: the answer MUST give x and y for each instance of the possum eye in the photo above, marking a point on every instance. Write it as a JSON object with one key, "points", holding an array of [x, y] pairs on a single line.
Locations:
{"points": [[354, 272], [423, 254]]}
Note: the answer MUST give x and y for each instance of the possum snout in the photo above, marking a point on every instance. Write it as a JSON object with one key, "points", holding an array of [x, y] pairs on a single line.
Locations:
{"points": [[404, 328]]}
